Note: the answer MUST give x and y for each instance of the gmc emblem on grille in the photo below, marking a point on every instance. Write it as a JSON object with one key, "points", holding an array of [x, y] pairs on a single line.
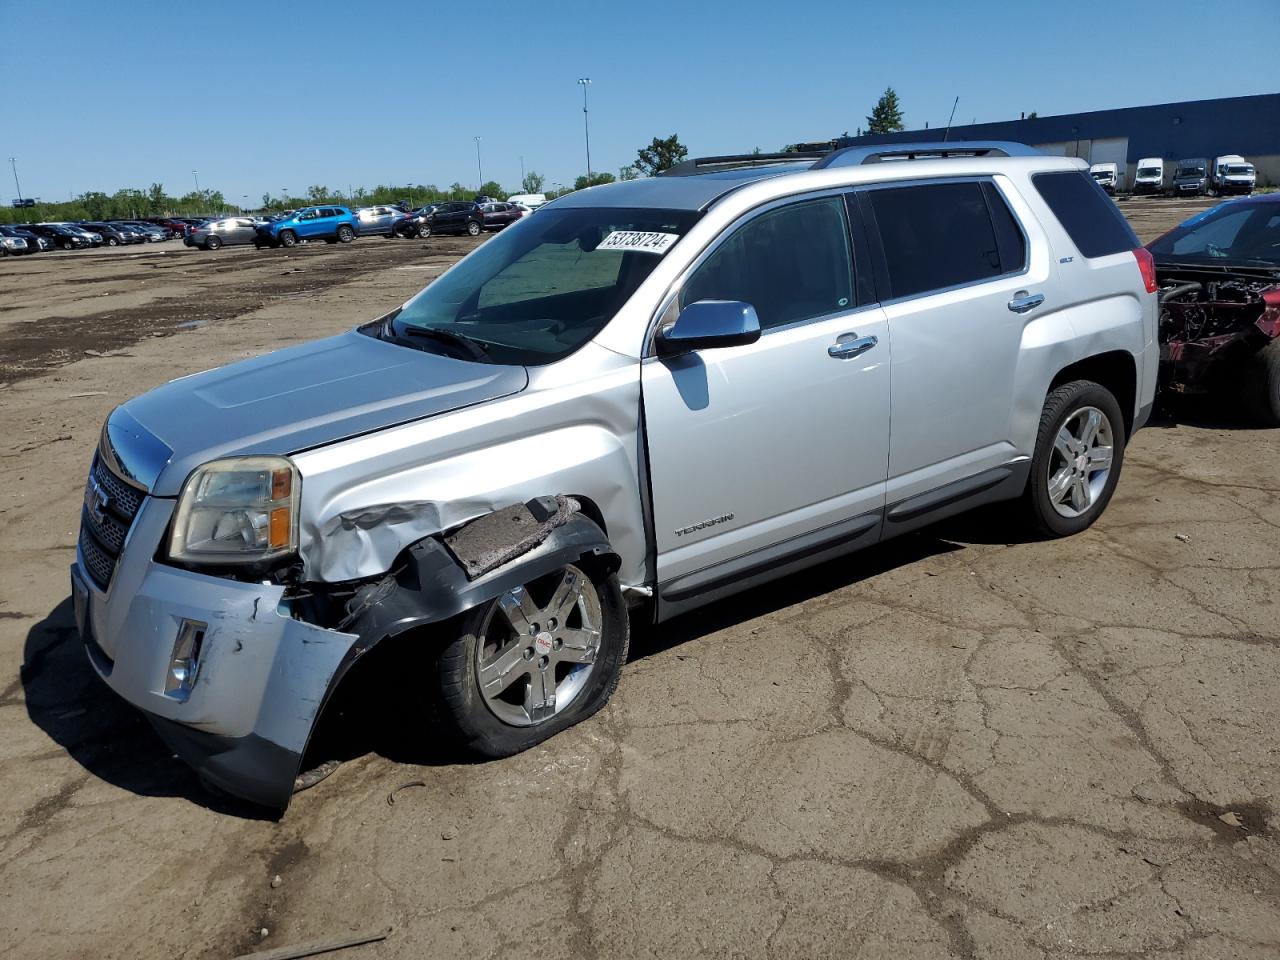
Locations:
{"points": [[96, 499]]}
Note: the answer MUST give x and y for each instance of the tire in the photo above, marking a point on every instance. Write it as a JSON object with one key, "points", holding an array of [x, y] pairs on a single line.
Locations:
{"points": [[1262, 385], [424, 231], [345, 234], [1081, 423], [112, 242], [514, 715], [288, 238], [474, 229], [213, 243]]}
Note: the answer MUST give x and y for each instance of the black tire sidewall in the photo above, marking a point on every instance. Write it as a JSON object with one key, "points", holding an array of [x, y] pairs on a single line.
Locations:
{"points": [[1061, 403], [213, 243], [475, 726], [1263, 385]]}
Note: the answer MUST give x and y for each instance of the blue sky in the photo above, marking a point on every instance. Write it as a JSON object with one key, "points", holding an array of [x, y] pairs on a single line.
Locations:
{"points": [[271, 94]]}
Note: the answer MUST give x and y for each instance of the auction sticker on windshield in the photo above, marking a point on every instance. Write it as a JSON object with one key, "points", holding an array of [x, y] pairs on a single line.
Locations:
{"points": [[638, 240]]}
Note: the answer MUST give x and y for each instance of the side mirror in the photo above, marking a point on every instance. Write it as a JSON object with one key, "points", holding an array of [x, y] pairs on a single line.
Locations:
{"points": [[707, 324]]}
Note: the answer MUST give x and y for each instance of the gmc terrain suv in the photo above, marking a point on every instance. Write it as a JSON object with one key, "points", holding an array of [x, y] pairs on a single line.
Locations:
{"points": [[653, 394]]}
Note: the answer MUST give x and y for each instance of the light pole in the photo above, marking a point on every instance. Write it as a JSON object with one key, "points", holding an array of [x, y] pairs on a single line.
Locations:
{"points": [[14, 163], [479, 169], [585, 82]]}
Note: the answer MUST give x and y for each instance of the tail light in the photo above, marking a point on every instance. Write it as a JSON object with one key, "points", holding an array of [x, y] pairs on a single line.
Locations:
{"points": [[1147, 266]]}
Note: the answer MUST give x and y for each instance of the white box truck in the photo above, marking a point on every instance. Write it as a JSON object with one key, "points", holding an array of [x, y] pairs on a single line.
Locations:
{"points": [[1108, 176]]}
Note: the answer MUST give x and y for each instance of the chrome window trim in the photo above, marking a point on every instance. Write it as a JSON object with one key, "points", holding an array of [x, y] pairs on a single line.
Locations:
{"points": [[672, 292], [972, 178]]}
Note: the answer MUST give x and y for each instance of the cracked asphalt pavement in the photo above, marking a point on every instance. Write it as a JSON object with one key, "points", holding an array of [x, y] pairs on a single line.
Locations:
{"points": [[963, 744]]}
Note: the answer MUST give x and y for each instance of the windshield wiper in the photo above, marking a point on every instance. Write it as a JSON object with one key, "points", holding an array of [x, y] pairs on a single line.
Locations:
{"points": [[474, 349]]}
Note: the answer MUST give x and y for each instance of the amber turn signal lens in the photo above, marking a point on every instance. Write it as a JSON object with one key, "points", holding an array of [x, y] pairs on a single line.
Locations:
{"points": [[279, 527], [281, 484]]}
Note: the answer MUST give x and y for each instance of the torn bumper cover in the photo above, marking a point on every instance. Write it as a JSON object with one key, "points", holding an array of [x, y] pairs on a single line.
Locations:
{"points": [[258, 677]]}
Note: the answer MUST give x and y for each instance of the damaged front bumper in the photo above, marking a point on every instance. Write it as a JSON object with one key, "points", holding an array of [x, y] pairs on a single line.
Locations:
{"points": [[252, 691]]}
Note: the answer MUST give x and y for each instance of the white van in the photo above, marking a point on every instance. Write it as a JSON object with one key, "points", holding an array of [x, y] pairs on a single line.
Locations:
{"points": [[1150, 176], [1107, 175], [1232, 174], [531, 200]]}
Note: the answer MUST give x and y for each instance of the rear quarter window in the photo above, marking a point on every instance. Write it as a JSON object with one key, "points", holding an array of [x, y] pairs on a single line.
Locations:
{"points": [[1089, 216]]}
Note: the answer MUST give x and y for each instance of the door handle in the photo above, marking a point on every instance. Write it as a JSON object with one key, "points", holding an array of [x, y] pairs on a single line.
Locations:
{"points": [[1024, 302], [856, 346]]}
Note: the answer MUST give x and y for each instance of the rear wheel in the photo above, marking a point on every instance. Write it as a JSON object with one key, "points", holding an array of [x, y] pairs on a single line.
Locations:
{"points": [[540, 658], [345, 234], [1262, 385], [112, 242], [1077, 461], [473, 228], [213, 243], [288, 238]]}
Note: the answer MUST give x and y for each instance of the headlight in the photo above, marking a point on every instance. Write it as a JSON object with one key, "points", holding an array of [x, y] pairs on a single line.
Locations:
{"points": [[240, 510]]}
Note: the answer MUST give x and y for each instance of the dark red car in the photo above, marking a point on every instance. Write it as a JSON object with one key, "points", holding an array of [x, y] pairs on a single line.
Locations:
{"points": [[499, 214]]}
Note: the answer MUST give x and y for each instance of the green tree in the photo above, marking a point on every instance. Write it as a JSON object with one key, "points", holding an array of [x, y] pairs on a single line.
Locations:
{"points": [[492, 189], [660, 155], [98, 204], [629, 172], [887, 115], [533, 182], [596, 179], [317, 193], [1032, 115], [157, 200]]}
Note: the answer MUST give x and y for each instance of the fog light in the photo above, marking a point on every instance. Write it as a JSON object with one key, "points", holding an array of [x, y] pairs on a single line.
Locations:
{"points": [[184, 663]]}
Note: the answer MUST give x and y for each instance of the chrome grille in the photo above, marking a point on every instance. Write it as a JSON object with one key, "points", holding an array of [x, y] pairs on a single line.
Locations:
{"points": [[110, 506]]}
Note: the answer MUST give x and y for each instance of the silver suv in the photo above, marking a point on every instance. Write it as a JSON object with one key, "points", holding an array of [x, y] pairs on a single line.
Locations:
{"points": [[651, 395]]}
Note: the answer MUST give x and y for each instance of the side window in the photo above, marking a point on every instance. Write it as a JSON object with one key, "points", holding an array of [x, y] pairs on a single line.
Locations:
{"points": [[935, 235], [1010, 239], [791, 264], [1092, 220]]}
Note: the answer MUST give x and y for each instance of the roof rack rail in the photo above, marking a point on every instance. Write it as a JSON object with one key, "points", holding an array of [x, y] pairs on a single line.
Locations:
{"points": [[697, 165], [880, 153]]}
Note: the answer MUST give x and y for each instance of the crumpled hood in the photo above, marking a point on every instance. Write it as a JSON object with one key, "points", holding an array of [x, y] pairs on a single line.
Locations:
{"points": [[299, 398]]}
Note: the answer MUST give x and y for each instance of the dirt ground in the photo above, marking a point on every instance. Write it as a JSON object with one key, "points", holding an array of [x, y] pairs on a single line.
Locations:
{"points": [[955, 746]]}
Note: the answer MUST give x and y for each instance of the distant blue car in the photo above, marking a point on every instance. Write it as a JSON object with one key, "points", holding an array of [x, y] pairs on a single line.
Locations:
{"points": [[328, 223]]}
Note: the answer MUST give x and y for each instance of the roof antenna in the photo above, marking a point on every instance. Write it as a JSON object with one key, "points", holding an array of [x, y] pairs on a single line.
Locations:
{"points": [[949, 119]]}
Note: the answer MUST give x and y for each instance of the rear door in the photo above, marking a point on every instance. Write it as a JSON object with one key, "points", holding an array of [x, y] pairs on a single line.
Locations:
{"points": [[773, 449], [959, 285]]}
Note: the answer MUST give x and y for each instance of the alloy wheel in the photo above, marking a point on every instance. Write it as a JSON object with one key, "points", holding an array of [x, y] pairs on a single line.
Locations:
{"points": [[1081, 461], [538, 646]]}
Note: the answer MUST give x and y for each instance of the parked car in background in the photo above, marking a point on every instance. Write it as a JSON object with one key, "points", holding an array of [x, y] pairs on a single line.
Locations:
{"points": [[498, 214], [457, 216], [1190, 178], [1107, 176], [12, 245], [59, 235], [218, 233], [1150, 176], [148, 231], [531, 200], [35, 244], [332, 224], [1219, 275], [379, 221], [417, 223], [1232, 174], [656, 394], [111, 235], [176, 226], [95, 239]]}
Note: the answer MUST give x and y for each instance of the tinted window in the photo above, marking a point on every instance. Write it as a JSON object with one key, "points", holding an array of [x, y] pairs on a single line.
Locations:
{"points": [[1089, 216], [935, 235], [791, 264], [1009, 237]]}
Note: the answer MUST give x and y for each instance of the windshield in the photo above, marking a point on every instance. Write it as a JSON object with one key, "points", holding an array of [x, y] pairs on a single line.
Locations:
{"points": [[544, 286], [1242, 169], [1196, 171], [1100, 174], [1148, 172], [1246, 233]]}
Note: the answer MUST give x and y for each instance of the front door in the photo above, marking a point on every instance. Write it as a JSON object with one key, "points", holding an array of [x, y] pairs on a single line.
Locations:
{"points": [[761, 452]]}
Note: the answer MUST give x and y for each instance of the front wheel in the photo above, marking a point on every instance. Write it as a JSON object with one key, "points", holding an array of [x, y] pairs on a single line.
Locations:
{"points": [[424, 231], [1077, 461], [1262, 385], [213, 243], [473, 229], [345, 234], [535, 661], [288, 238], [112, 242]]}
